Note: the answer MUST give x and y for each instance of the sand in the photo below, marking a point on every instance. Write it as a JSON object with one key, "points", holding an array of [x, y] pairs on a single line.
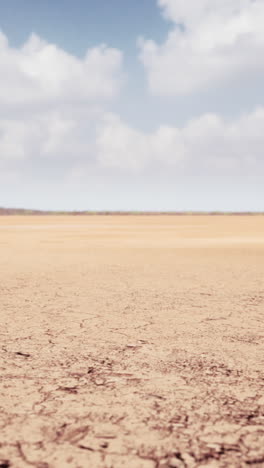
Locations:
{"points": [[132, 341]]}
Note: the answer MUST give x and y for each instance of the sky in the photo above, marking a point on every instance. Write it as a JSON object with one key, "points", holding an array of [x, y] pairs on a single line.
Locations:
{"points": [[132, 105]]}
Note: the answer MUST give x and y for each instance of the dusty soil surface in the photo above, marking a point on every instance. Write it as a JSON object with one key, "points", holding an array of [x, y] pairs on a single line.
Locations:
{"points": [[132, 342]]}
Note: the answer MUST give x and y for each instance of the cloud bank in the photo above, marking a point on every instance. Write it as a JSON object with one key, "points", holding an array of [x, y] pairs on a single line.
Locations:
{"points": [[206, 144], [210, 42], [54, 106]]}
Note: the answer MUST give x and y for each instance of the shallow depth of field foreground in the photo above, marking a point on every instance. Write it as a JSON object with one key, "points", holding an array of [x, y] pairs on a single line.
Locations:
{"points": [[132, 341]]}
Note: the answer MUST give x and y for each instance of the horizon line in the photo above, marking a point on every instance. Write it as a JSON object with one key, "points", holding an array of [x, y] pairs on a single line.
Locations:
{"points": [[40, 212]]}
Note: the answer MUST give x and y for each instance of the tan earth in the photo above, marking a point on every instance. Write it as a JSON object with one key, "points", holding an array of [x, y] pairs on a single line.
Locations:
{"points": [[132, 341]]}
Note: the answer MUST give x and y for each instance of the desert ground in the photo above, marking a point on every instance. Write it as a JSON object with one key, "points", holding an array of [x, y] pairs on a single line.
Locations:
{"points": [[132, 341]]}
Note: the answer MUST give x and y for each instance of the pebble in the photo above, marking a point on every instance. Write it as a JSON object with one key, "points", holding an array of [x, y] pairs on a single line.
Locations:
{"points": [[99, 381], [175, 463]]}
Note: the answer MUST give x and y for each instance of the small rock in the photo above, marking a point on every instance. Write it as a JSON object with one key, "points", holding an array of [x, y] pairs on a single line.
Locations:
{"points": [[175, 463], [188, 459], [99, 381], [216, 447], [163, 463], [104, 445]]}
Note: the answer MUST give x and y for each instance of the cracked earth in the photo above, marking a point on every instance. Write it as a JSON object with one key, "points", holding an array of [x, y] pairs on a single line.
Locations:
{"points": [[132, 342]]}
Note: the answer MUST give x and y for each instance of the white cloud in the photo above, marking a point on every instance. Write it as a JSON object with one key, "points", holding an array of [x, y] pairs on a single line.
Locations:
{"points": [[53, 135], [119, 145], [49, 99], [206, 144], [48, 115], [211, 42], [39, 72]]}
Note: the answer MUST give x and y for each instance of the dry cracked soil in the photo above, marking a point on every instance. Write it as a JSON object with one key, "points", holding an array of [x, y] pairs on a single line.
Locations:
{"points": [[132, 341]]}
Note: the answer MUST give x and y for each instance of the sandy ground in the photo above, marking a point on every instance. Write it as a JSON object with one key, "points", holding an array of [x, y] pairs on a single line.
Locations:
{"points": [[132, 342]]}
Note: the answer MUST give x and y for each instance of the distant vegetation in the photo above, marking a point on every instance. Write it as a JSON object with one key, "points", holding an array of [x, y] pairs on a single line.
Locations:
{"points": [[24, 212]]}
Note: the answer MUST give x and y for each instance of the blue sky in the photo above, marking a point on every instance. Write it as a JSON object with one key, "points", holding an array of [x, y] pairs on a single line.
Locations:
{"points": [[78, 25], [143, 105]]}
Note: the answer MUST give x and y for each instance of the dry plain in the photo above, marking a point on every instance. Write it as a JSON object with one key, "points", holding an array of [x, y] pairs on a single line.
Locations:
{"points": [[132, 341]]}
